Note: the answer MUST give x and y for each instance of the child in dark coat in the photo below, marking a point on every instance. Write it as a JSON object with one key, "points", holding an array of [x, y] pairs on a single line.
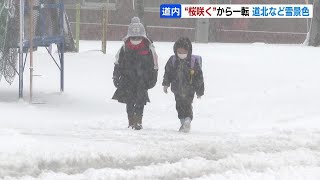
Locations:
{"points": [[135, 72], [183, 72]]}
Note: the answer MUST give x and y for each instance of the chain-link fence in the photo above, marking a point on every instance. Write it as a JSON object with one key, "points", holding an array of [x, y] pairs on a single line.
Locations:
{"points": [[8, 37]]}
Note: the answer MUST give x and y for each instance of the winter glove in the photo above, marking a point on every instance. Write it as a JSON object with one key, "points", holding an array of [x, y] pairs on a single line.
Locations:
{"points": [[116, 82], [165, 89], [153, 80]]}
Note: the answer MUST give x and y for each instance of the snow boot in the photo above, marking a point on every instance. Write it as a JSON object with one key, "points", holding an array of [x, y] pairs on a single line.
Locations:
{"points": [[181, 122], [138, 122], [185, 125], [131, 120]]}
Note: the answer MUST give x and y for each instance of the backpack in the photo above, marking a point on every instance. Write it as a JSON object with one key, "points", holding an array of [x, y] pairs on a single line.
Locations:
{"points": [[194, 59]]}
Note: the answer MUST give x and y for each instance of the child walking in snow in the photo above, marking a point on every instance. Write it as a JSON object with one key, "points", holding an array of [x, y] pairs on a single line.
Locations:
{"points": [[183, 72], [135, 72]]}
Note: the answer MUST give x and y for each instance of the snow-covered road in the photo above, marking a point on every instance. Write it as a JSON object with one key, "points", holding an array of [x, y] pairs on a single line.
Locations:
{"points": [[259, 119]]}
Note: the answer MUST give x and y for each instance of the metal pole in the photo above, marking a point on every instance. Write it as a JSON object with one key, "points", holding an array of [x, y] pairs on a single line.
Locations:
{"points": [[21, 49], [61, 15], [78, 25], [104, 48], [308, 22], [105, 11], [31, 48], [107, 17]]}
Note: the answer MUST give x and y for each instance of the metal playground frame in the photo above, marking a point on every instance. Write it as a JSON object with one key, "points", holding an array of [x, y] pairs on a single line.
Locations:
{"points": [[41, 38]]}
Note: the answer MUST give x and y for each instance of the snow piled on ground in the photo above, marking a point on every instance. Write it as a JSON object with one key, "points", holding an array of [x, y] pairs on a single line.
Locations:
{"points": [[259, 119]]}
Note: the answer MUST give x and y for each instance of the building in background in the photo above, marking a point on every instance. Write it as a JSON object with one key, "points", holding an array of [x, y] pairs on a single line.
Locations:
{"points": [[199, 30]]}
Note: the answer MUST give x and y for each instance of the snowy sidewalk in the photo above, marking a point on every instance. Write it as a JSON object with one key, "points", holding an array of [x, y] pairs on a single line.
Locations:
{"points": [[259, 119]]}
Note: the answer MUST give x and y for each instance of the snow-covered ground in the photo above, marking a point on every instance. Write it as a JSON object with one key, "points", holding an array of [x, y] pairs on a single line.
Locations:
{"points": [[259, 119]]}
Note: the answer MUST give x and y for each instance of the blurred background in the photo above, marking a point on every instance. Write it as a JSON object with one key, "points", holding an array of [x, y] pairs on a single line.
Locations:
{"points": [[119, 13]]}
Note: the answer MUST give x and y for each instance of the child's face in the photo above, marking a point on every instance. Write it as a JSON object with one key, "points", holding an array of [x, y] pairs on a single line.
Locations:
{"points": [[135, 40], [182, 51]]}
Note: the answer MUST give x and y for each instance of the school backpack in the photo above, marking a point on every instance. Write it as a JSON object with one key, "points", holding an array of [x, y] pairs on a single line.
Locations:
{"points": [[194, 59]]}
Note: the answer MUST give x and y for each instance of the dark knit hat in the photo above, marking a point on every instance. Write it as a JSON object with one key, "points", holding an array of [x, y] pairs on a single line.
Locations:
{"points": [[183, 42]]}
